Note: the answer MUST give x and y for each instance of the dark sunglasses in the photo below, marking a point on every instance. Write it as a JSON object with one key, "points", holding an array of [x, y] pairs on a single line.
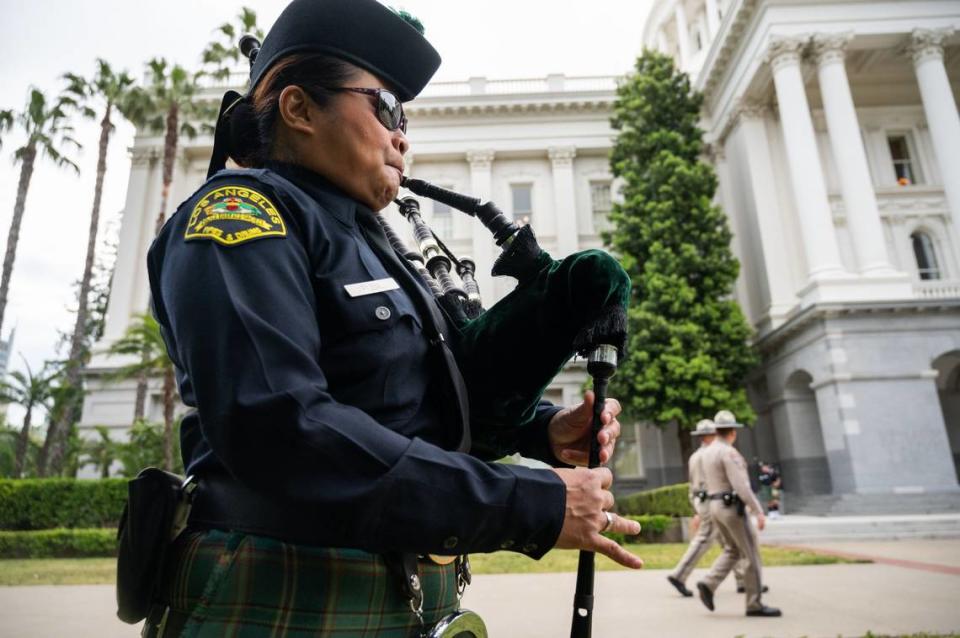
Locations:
{"points": [[389, 107]]}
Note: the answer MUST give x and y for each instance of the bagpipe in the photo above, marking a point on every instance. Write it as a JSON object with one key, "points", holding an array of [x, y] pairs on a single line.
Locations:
{"points": [[509, 353]]}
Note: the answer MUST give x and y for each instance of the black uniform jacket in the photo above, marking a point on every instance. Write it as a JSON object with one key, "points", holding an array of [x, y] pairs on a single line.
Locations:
{"points": [[325, 411]]}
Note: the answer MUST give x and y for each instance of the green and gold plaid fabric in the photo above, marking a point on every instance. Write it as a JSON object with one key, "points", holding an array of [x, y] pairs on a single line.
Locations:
{"points": [[234, 584]]}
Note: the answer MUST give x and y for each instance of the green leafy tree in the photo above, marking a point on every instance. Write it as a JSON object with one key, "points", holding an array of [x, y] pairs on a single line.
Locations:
{"points": [[169, 104], [142, 339], [689, 349], [31, 391], [48, 133], [222, 55], [106, 93]]}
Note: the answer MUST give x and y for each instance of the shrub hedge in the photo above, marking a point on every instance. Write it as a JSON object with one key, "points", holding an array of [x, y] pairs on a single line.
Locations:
{"points": [[654, 528], [58, 543], [670, 500], [32, 504]]}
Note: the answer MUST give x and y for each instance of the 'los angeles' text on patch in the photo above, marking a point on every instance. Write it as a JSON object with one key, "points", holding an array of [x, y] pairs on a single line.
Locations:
{"points": [[233, 215]]}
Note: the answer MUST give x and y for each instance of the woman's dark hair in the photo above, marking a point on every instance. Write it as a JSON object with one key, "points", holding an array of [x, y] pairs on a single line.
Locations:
{"points": [[252, 121]]}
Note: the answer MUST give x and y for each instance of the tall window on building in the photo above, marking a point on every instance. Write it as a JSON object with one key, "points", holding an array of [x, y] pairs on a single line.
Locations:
{"points": [[601, 205], [442, 222], [903, 163], [522, 203], [628, 460], [925, 255]]}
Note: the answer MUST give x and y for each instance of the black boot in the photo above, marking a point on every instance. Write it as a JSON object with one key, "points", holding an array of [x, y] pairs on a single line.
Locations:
{"points": [[741, 589], [764, 611], [706, 596], [676, 582]]}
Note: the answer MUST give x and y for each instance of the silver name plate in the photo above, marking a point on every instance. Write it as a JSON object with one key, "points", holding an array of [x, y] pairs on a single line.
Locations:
{"points": [[371, 287]]}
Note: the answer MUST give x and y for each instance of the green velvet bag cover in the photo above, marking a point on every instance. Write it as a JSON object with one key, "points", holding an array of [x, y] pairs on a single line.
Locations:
{"points": [[511, 353]]}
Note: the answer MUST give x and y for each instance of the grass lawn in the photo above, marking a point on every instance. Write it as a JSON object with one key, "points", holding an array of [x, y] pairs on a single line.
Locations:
{"points": [[58, 571], [654, 555], [101, 571]]}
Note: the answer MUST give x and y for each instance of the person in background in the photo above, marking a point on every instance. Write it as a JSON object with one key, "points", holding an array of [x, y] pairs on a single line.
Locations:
{"points": [[730, 498]]}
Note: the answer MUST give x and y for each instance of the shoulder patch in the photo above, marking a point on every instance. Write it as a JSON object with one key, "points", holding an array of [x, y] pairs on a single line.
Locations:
{"points": [[231, 215]]}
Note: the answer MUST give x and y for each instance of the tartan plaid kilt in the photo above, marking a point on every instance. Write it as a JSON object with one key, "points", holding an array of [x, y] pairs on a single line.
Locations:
{"points": [[220, 583]]}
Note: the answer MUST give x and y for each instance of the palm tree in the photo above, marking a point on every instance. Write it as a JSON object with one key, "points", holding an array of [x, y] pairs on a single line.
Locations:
{"points": [[101, 453], [30, 391], [169, 105], [6, 122], [110, 91], [222, 55], [143, 339], [48, 131]]}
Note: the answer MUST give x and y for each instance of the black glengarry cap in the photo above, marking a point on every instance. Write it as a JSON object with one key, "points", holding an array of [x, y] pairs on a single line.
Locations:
{"points": [[363, 32]]}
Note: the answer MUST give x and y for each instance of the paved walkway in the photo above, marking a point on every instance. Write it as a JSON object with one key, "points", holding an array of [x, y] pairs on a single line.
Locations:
{"points": [[827, 601]]}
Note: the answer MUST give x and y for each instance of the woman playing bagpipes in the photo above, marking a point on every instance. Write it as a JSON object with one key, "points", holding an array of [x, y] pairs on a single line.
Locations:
{"points": [[330, 435]]}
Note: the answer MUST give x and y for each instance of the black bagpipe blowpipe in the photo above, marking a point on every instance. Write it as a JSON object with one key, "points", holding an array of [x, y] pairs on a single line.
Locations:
{"points": [[601, 365]]}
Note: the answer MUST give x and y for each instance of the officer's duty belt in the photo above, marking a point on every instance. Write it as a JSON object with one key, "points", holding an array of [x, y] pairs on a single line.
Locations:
{"points": [[719, 496]]}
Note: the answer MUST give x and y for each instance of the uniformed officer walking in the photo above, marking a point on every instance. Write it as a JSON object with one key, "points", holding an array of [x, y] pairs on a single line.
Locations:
{"points": [[702, 527], [730, 496]]}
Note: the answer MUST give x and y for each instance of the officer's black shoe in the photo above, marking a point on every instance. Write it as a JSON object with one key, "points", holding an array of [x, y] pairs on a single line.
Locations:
{"points": [[706, 596], [741, 589], [764, 611], [676, 582]]}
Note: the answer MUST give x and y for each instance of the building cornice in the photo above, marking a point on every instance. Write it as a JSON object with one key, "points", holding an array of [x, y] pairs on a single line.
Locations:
{"points": [[771, 341], [569, 105], [725, 43]]}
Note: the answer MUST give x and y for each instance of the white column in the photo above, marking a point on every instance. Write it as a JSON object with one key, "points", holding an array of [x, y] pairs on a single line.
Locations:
{"points": [[762, 190], [926, 48], [859, 199], [135, 222], [662, 45], [683, 34], [713, 18], [806, 174], [481, 185], [716, 154], [564, 199]]}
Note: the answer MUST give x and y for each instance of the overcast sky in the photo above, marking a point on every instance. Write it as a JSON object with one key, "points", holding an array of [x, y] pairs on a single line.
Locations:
{"points": [[42, 39]]}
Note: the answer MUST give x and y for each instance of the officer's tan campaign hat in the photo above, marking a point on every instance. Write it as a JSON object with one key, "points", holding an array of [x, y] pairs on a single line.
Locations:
{"points": [[704, 428], [725, 419]]}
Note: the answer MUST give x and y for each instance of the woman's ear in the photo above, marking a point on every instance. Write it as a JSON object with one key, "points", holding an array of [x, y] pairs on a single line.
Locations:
{"points": [[295, 108]]}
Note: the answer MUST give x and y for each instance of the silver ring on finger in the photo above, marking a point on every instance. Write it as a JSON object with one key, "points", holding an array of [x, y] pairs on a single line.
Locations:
{"points": [[609, 522]]}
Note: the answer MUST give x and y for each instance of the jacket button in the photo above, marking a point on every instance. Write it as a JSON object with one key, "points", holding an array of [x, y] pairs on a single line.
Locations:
{"points": [[451, 542], [529, 548], [382, 312]]}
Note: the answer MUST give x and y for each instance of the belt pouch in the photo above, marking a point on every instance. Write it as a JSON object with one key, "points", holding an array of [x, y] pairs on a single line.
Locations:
{"points": [[144, 536]]}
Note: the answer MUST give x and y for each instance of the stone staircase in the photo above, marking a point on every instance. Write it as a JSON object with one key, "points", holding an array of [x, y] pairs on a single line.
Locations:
{"points": [[871, 504], [799, 529]]}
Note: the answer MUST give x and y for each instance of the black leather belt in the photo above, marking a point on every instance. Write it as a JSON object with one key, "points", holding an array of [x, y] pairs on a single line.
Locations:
{"points": [[221, 502], [722, 496]]}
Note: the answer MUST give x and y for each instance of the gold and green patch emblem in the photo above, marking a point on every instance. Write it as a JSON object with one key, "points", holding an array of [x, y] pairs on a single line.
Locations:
{"points": [[233, 215]]}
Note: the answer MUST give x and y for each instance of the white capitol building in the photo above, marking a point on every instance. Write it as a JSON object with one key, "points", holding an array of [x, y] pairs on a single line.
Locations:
{"points": [[834, 131]]}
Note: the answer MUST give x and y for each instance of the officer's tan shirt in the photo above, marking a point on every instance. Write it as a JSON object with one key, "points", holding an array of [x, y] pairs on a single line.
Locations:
{"points": [[695, 470], [725, 470]]}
